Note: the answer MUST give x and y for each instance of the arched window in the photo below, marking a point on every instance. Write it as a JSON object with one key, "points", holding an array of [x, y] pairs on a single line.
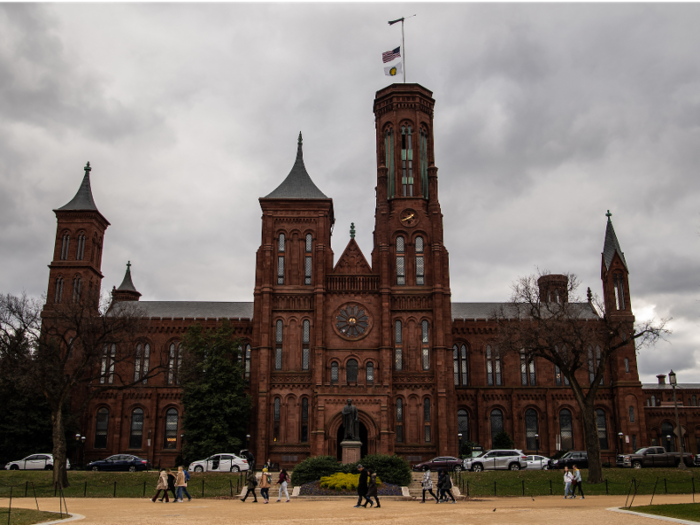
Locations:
{"points": [[426, 419], [171, 429], [425, 344], [280, 259], [463, 424], [653, 400], [668, 438], [109, 355], [591, 366], [399, 420], [389, 160], [136, 434], [369, 369], [351, 371], [601, 422], [424, 161], [334, 373], [496, 425], [305, 420], [279, 335], [174, 361], [308, 260], [80, 252], [59, 290], [566, 430], [137, 362], [631, 410], [627, 365], [65, 244], [531, 429], [101, 426], [305, 341], [527, 370], [400, 261], [619, 284], [493, 367], [460, 365], [420, 263], [276, 420], [398, 343], [406, 161], [77, 288], [246, 372]]}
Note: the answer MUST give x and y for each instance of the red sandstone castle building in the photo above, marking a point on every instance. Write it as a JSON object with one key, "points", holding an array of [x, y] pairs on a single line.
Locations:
{"points": [[383, 331]]}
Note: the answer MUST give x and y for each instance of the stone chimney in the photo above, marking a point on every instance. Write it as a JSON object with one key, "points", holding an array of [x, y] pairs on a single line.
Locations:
{"points": [[661, 378], [554, 288]]}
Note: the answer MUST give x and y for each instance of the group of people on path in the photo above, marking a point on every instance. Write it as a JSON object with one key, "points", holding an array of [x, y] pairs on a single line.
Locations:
{"points": [[367, 488], [167, 481], [444, 486], [265, 484], [572, 481]]}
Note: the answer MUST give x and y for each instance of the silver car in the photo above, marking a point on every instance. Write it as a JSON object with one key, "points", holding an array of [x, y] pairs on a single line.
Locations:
{"points": [[510, 459], [34, 462], [224, 462], [535, 462]]}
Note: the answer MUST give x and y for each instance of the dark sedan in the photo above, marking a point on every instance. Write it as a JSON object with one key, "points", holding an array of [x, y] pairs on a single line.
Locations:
{"points": [[125, 462], [578, 458], [444, 462]]}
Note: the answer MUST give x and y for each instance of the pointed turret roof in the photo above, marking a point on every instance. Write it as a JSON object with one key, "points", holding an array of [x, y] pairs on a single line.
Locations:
{"points": [[127, 284], [611, 245], [83, 199], [298, 184]]}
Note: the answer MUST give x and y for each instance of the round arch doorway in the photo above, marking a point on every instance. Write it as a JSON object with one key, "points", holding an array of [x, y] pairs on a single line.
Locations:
{"points": [[363, 438]]}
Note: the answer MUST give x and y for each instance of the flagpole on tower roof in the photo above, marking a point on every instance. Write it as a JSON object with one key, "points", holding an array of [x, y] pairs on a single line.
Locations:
{"points": [[403, 44]]}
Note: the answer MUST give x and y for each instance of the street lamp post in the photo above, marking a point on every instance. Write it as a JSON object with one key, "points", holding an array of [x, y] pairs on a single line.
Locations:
{"points": [[619, 435], [537, 443], [459, 450], [672, 380]]}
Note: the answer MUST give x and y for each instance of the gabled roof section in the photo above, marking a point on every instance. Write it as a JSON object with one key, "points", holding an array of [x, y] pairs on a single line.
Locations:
{"points": [[298, 184], [188, 309], [486, 311], [83, 199], [127, 284], [352, 261], [611, 245]]}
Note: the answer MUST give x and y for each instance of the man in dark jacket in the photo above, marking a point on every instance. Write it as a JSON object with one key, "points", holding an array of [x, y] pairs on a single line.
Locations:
{"points": [[361, 485]]}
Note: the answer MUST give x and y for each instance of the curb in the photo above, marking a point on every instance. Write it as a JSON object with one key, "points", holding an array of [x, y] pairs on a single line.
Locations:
{"points": [[73, 517], [652, 516]]}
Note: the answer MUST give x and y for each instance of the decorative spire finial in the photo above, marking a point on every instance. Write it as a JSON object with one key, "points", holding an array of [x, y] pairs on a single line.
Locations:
{"points": [[87, 168], [589, 295], [128, 266], [352, 230], [608, 215], [300, 139]]}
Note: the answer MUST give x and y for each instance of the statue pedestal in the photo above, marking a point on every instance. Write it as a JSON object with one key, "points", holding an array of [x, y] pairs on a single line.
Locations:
{"points": [[351, 451]]}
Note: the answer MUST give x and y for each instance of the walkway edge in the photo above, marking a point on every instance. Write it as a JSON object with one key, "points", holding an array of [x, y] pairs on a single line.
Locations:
{"points": [[652, 516], [73, 517]]}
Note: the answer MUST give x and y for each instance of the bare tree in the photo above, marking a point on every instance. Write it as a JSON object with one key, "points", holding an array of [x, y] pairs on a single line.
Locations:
{"points": [[77, 349], [565, 332]]}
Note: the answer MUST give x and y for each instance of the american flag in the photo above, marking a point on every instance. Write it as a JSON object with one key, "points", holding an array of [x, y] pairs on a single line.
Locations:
{"points": [[391, 55]]}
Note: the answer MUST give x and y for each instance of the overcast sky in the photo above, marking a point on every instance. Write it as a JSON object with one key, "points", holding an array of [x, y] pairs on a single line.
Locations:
{"points": [[546, 116]]}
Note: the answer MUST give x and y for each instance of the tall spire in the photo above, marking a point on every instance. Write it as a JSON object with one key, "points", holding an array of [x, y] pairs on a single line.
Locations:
{"points": [[83, 199], [298, 184], [612, 246], [126, 291]]}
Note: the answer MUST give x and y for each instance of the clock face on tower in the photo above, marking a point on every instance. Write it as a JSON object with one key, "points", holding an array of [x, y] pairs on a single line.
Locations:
{"points": [[408, 218], [351, 321]]}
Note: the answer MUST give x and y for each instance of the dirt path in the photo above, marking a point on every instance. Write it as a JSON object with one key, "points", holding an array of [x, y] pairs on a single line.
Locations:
{"points": [[544, 510]]}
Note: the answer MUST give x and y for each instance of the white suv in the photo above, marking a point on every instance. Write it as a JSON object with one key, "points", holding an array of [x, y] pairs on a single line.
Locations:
{"points": [[220, 463], [497, 460], [34, 462]]}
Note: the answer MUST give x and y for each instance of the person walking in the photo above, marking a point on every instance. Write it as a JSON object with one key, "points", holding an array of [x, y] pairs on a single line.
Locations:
{"points": [[447, 487], [361, 485], [372, 490], [283, 481], [251, 483], [184, 488], [170, 486], [162, 485], [265, 482], [578, 483], [179, 484], [568, 478], [427, 484]]}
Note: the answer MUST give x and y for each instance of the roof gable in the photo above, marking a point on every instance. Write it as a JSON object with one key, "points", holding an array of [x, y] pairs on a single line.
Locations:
{"points": [[352, 261]]}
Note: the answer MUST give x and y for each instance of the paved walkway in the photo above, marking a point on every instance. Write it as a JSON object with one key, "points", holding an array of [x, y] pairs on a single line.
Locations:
{"points": [[541, 511]]}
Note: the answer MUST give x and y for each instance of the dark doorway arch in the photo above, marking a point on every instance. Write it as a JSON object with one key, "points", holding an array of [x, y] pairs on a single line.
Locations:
{"points": [[363, 438]]}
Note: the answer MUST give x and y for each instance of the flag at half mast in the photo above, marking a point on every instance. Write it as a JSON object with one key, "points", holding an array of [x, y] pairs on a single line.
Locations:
{"points": [[388, 56], [392, 71]]}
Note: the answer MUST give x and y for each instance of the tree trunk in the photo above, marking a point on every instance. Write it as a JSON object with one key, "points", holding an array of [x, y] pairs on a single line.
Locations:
{"points": [[60, 476], [590, 432]]}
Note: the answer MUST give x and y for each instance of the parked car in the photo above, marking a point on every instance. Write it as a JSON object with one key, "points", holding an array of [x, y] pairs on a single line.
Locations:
{"points": [[497, 460], [34, 462], [224, 462], [653, 457], [125, 462], [444, 462], [537, 462], [571, 458]]}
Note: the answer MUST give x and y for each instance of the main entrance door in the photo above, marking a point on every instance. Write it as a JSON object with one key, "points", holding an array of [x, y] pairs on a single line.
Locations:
{"points": [[363, 438]]}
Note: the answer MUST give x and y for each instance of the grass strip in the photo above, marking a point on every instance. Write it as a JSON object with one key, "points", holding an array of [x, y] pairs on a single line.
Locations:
{"points": [[682, 511], [28, 516]]}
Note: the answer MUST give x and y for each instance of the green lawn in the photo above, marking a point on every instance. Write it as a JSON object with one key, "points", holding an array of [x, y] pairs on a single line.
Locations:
{"points": [[27, 516], [685, 511], [546, 482]]}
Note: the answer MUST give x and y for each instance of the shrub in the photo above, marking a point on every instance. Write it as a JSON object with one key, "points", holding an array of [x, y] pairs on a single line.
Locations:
{"points": [[342, 481], [392, 469], [314, 468], [503, 440]]}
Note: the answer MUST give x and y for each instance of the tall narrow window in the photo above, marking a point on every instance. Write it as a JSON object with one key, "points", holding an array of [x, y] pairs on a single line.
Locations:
{"points": [[406, 161], [523, 368], [496, 425], [493, 367], [398, 343], [351, 371], [533, 375], [171, 363], [619, 284], [246, 370], [136, 433], [591, 365], [497, 366], [65, 244], [455, 363], [77, 288], [308, 262], [334, 373], [278, 346], [597, 363], [653, 400], [280, 259], [399, 420], [276, 420], [420, 264], [179, 363], [305, 340], [109, 354], [170, 429], [305, 420], [601, 422], [80, 252], [424, 162], [389, 161], [631, 410], [370, 373], [137, 362], [425, 344], [531, 427], [101, 426], [426, 419], [566, 430], [400, 261], [489, 366], [695, 403], [627, 365], [146, 363], [463, 424], [557, 375], [59, 290], [463, 364]]}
